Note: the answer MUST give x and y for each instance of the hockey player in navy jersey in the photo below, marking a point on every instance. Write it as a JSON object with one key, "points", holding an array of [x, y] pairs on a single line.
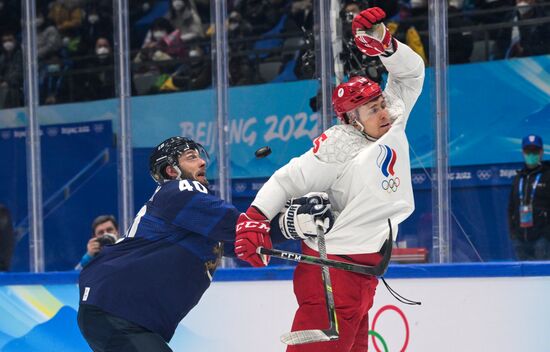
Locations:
{"points": [[134, 293]]}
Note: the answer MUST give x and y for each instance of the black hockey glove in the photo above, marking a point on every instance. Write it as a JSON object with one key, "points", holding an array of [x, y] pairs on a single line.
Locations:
{"points": [[298, 220]]}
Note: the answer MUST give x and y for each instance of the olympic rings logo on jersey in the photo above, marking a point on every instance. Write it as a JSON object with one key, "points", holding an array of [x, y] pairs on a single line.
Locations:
{"points": [[377, 337], [391, 185], [387, 157]]}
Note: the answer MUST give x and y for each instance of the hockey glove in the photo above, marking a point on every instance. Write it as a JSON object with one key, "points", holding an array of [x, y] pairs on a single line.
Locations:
{"points": [[298, 220], [371, 35], [252, 232]]}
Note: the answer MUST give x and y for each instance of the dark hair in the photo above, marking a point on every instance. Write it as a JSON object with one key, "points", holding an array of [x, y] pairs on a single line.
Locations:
{"points": [[163, 24], [102, 219]]}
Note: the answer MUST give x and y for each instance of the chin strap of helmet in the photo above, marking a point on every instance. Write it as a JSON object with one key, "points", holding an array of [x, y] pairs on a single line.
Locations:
{"points": [[361, 128]]}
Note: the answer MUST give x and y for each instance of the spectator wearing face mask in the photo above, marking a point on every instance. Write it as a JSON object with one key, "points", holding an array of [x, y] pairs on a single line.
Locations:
{"points": [[98, 23], [11, 72], [160, 28], [183, 15], [53, 85], [529, 204], [98, 80]]}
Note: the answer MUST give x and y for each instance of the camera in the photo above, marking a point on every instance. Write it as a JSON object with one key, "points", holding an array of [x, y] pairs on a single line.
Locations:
{"points": [[106, 239]]}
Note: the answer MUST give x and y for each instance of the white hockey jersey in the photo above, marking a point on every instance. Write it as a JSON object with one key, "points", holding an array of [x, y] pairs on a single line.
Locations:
{"points": [[367, 182]]}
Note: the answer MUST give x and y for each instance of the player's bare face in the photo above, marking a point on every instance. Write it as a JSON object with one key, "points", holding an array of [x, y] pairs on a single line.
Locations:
{"points": [[193, 166], [374, 117]]}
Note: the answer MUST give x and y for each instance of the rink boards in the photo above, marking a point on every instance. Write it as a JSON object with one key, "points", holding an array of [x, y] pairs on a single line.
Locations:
{"points": [[465, 307]]}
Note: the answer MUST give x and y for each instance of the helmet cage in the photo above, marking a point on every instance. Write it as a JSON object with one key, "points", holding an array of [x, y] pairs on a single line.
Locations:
{"points": [[168, 153]]}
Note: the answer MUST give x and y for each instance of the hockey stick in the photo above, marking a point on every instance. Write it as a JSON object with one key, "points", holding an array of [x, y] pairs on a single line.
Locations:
{"points": [[309, 336], [376, 270]]}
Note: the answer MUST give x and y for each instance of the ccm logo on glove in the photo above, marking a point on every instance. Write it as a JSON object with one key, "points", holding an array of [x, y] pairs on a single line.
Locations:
{"points": [[253, 225]]}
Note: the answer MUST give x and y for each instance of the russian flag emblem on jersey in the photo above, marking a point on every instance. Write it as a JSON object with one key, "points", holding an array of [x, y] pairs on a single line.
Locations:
{"points": [[386, 160]]}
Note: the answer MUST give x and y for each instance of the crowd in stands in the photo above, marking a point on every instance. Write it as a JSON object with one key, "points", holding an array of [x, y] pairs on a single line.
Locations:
{"points": [[269, 41]]}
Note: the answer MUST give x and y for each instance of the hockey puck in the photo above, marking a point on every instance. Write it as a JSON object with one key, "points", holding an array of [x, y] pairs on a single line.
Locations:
{"points": [[263, 152]]}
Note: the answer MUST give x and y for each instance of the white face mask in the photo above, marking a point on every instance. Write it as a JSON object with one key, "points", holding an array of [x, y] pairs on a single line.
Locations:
{"points": [[66, 41], [177, 4], [9, 46], [523, 7], [39, 21], [158, 35], [416, 4], [459, 4], [102, 51], [93, 19], [233, 25], [53, 68], [194, 53]]}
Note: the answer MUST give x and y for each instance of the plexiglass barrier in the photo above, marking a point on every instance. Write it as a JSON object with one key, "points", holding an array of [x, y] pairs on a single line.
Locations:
{"points": [[102, 98]]}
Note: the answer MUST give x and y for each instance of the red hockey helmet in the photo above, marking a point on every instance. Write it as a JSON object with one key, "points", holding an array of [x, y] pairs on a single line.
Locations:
{"points": [[352, 94]]}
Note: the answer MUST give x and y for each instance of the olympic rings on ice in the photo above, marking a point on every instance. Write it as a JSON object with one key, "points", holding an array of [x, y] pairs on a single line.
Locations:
{"points": [[377, 335]]}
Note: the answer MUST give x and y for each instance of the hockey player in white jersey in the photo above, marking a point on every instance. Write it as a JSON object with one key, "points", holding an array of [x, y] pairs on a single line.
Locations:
{"points": [[363, 165]]}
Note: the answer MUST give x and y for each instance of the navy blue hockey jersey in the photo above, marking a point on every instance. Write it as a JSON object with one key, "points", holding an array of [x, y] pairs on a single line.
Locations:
{"points": [[162, 267]]}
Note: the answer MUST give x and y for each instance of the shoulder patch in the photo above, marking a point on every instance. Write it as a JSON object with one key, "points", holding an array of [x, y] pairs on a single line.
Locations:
{"points": [[342, 143]]}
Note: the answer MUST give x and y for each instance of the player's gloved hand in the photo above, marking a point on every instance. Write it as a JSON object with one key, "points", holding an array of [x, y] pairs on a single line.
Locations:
{"points": [[370, 34], [252, 232], [298, 220]]}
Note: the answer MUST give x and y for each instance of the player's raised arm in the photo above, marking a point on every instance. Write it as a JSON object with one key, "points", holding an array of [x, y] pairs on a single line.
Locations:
{"points": [[405, 67]]}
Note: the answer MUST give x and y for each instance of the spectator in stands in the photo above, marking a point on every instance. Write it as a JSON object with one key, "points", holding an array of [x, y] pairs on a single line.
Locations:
{"points": [[461, 44], [98, 23], [7, 238], [48, 39], [159, 40], [195, 73], [98, 81], [11, 72], [404, 30], [263, 15], [183, 16], [53, 85], [66, 14], [104, 231], [157, 58], [529, 204], [68, 17], [531, 39]]}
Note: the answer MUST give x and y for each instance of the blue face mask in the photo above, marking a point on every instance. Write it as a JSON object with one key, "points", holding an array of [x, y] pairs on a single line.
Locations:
{"points": [[531, 159]]}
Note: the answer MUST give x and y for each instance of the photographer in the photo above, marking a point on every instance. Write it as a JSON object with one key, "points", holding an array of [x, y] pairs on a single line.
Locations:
{"points": [[104, 232]]}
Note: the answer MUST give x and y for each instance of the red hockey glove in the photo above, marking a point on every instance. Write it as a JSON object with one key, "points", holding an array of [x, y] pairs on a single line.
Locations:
{"points": [[370, 34], [252, 232]]}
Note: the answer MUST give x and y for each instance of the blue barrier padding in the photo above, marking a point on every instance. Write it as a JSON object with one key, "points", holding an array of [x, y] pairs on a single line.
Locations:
{"points": [[416, 271], [49, 278]]}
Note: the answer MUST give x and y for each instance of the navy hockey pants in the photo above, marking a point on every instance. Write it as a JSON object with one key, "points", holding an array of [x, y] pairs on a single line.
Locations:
{"points": [[106, 333]]}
